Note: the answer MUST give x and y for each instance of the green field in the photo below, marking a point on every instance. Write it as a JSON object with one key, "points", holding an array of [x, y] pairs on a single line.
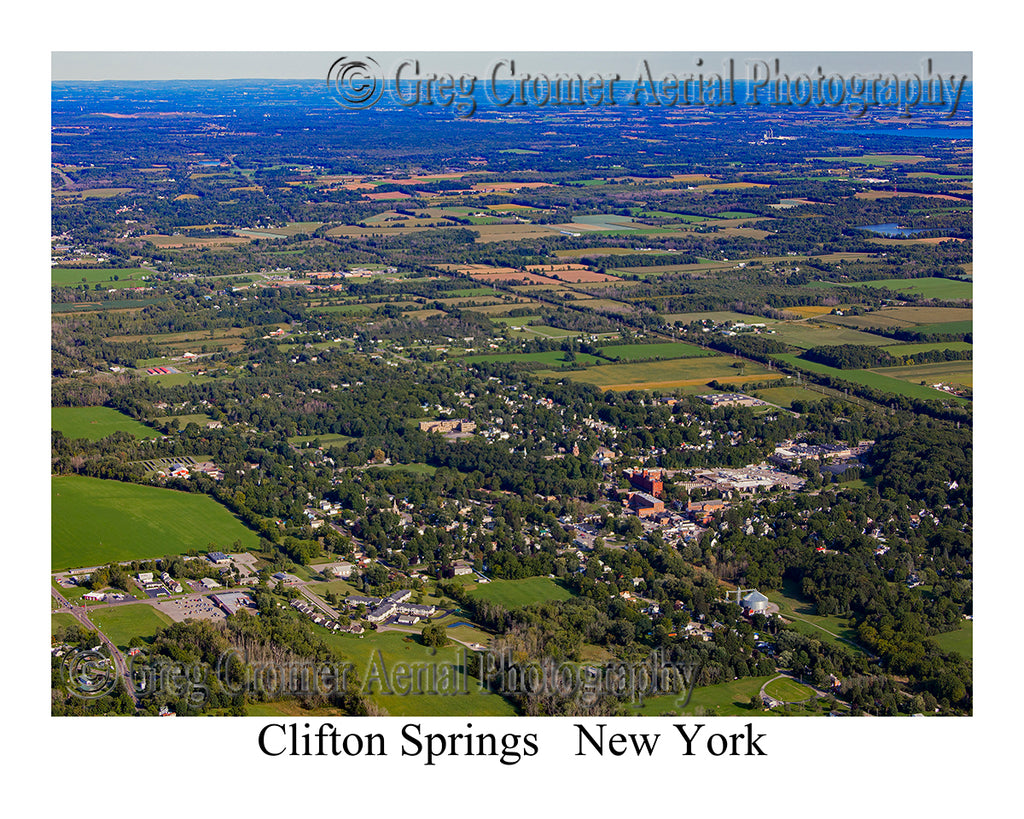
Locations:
{"points": [[515, 593], [953, 327], [728, 699], [807, 334], [121, 623], [787, 690], [376, 655], [549, 357], [95, 521], [126, 276], [668, 349], [95, 423], [929, 288], [873, 159], [960, 641], [61, 620], [327, 439], [911, 349], [664, 374], [785, 396], [805, 619], [942, 372], [876, 379]]}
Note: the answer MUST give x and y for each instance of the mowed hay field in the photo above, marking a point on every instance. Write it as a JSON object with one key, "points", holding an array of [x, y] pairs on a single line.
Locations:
{"points": [[904, 317], [514, 593], [930, 287], [95, 521], [679, 372], [95, 423], [941, 372]]}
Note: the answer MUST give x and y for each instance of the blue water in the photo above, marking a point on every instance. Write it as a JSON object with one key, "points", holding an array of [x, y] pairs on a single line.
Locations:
{"points": [[957, 132], [892, 230]]}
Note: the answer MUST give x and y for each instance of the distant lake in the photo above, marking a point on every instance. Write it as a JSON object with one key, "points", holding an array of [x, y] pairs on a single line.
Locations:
{"points": [[954, 132], [892, 230]]}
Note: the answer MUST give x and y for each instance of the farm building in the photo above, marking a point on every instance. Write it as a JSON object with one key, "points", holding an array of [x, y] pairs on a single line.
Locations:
{"points": [[754, 602]]}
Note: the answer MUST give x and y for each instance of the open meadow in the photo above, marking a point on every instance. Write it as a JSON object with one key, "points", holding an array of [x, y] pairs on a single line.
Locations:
{"points": [[95, 521], [95, 423]]}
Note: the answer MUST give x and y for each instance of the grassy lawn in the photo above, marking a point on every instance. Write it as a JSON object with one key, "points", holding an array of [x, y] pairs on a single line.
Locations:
{"points": [[95, 423], [786, 690], [95, 521], [61, 621], [961, 641], [327, 439], [805, 618], [514, 593], [126, 277], [376, 657], [121, 623], [728, 699]]}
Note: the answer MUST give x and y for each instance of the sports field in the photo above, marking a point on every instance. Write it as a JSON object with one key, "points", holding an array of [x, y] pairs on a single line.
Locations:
{"points": [[95, 521], [787, 690], [514, 593], [95, 423]]}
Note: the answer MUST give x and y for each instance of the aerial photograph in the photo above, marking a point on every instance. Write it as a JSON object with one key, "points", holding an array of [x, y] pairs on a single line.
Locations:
{"points": [[473, 384]]}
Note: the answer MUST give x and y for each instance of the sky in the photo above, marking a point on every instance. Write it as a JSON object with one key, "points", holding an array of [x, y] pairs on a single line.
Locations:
{"points": [[219, 65]]}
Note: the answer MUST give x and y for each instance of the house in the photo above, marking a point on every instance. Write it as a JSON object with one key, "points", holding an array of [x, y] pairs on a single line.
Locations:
{"points": [[458, 568]]}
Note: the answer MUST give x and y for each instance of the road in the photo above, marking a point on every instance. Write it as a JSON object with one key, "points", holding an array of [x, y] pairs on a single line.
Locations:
{"points": [[81, 614]]}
